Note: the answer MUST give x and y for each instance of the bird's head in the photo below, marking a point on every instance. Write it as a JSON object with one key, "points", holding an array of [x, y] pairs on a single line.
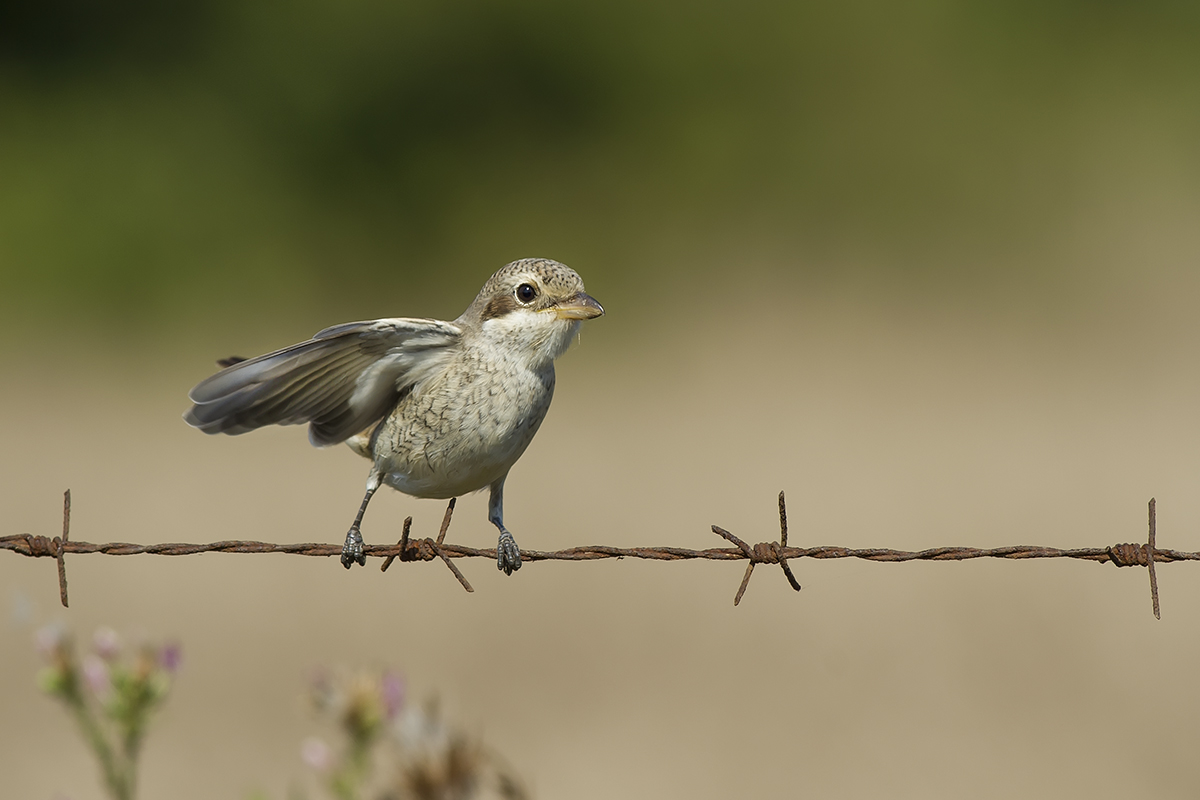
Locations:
{"points": [[535, 305]]}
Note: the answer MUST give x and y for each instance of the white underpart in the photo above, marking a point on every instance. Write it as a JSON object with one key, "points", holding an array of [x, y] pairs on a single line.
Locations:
{"points": [[538, 336]]}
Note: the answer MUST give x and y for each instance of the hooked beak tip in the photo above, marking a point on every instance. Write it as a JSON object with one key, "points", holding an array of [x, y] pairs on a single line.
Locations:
{"points": [[581, 306]]}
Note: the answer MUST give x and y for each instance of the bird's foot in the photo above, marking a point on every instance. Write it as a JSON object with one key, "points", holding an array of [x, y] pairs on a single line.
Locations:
{"points": [[508, 555], [352, 550]]}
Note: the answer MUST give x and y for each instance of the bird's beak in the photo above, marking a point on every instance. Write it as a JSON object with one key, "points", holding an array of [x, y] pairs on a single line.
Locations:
{"points": [[580, 306]]}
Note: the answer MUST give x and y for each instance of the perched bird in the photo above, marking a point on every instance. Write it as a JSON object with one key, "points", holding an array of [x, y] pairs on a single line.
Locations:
{"points": [[440, 408]]}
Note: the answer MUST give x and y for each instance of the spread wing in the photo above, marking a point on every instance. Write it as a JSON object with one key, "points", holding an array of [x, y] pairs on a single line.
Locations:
{"points": [[343, 380]]}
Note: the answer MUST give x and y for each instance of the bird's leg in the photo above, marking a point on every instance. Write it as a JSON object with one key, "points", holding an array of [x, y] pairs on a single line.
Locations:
{"points": [[352, 550], [508, 555]]}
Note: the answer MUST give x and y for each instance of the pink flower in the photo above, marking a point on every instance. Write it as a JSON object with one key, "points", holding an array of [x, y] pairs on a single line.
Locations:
{"points": [[106, 643], [170, 657], [95, 674], [391, 688]]}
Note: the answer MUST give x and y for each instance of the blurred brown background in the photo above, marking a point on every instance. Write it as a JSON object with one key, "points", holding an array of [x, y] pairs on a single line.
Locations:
{"points": [[930, 269]]}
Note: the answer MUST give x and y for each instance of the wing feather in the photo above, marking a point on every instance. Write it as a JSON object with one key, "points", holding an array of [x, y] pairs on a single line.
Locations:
{"points": [[342, 381]]}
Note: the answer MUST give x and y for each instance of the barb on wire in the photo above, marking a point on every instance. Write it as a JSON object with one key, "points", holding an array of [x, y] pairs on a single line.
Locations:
{"points": [[1122, 555], [60, 544], [427, 549], [763, 552]]}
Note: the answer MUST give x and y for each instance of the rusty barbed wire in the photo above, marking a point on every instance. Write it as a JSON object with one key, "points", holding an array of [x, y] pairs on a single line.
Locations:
{"points": [[407, 549]]}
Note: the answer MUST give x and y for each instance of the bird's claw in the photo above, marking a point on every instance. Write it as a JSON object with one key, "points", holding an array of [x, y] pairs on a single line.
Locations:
{"points": [[508, 555], [352, 550]]}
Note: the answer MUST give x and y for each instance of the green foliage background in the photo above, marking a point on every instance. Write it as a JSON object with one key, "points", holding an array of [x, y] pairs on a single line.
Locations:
{"points": [[162, 164]]}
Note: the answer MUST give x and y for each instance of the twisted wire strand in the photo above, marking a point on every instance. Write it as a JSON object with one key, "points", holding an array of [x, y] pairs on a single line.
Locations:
{"points": [[1122, 555]]}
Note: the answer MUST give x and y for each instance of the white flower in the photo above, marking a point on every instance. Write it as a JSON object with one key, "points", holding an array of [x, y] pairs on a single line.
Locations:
{"points": [[106, 643], [316, 753]]}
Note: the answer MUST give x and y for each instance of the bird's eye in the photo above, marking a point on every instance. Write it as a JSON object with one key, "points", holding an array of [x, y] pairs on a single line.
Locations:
{"points": [[526, 292]]}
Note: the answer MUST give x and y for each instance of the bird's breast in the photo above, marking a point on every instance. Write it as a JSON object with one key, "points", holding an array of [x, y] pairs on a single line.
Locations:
{"points": [[465, 428]]}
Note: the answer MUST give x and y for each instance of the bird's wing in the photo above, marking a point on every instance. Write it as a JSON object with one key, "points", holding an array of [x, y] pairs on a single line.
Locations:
{"points": [[343, 380]]}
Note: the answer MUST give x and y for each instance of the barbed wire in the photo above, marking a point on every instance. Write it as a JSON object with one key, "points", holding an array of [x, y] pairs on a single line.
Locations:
{"points": [[427, 549]]}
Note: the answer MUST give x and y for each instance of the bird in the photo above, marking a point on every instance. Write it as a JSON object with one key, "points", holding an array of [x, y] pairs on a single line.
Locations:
{"points": [[441, 409]]}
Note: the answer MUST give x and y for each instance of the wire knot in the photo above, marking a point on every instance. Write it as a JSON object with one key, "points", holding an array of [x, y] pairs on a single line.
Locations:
{"points": [[1129, 555], [765, 553], [421, 550], [42, 547]]}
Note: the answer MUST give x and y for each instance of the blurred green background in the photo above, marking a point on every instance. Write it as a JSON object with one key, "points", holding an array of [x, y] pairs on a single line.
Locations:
{"points": [[167, 164]]}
